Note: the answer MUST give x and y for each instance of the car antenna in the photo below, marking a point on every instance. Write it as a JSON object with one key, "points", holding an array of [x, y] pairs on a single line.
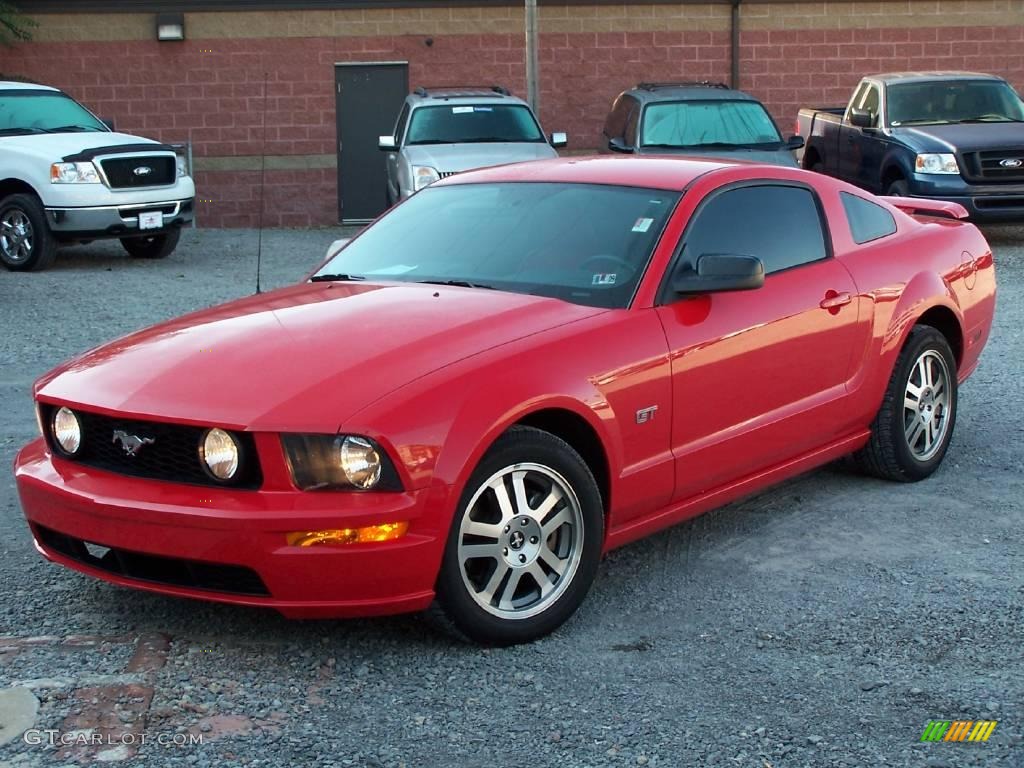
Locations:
{"points": [[263, 176]]}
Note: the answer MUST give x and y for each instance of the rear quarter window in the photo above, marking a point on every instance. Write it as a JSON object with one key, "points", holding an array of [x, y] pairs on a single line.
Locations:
{"points": [[868, 221]]}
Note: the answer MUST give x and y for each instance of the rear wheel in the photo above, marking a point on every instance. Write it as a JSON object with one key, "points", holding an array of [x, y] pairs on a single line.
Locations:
{"points": [[914, 426], [525, 543], [26, 242], [152, 246]]}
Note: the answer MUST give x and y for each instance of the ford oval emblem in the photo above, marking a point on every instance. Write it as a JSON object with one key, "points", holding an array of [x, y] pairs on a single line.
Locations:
{"points": [[145, 170], [1011, 162]]}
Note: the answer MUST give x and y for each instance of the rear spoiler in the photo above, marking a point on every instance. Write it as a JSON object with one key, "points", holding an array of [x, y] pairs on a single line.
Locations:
{"points": [[916, 206]]}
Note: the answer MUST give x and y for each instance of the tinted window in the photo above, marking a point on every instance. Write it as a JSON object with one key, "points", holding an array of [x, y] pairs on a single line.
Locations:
{"points": [[460, 123], [780, 225], [28, 111], [954, 101], [703, 123], [583, 243], [868, 221], [631, 125], [870, 102], [615, 125], [403, 118]]}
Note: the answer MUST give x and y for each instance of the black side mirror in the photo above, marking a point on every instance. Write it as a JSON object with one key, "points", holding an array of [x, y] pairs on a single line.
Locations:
{"points": [[618, 145], [795, 142], [861, 118], [717, 272], [109, 124]]}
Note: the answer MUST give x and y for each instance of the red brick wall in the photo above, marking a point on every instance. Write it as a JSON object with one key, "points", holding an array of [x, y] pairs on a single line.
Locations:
{"points": [[211, 91]]}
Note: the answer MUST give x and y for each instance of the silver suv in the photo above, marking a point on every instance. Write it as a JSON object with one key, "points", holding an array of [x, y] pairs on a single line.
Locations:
{"points": [[441, 131]]}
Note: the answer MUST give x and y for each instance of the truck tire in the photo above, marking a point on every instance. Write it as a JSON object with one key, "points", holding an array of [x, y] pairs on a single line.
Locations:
{"points": [[897, 188], [152, 246], [26, 242]]}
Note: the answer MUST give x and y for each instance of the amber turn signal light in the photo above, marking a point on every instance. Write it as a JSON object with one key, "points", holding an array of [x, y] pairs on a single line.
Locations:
{"points": [[339, 536]]}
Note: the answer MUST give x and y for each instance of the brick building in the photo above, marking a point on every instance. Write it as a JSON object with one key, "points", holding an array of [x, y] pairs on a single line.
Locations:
{"points": [[209, 88]]}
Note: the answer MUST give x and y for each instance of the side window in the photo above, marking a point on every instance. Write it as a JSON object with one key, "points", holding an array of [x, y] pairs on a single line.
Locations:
{"points": [[869, 101], [631, 124], [781, 225], [615, 125], [868, 221], [403, 118], [858, 95]]}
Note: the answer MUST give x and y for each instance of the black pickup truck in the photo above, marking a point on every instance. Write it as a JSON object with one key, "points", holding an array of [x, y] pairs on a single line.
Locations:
{"points": [[955, 136]]}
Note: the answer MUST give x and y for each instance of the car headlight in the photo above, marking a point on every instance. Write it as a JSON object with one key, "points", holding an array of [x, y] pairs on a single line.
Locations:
{"points": [[220, 454], [182, 166], [423, 176], [74, 173], [936, 163], [67, 431], [339, 461]]}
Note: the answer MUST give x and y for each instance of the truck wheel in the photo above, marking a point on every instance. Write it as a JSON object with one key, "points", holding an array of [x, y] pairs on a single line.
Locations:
{"points": [[152, 246], [898, 188], [26, 242], [525, 543], [914, 426]]}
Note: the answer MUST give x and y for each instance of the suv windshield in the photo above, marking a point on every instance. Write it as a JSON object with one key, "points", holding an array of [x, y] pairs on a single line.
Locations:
{"points": [[583, 243], [472, 123], [32, 111], [714, 123], [955, 101]]}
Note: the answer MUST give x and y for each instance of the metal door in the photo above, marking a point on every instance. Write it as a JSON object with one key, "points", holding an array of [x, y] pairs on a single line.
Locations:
{"points": [[368, 97]]}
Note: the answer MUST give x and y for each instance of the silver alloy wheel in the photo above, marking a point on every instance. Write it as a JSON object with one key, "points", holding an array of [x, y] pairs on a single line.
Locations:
{"points": [[520, 541], [16, 236], [926, 405]]}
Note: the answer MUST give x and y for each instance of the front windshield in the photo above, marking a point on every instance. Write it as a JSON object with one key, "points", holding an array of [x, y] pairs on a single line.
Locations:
{"points": [[583, 243], [708, 123], [461, 123], [956, 101], [32, 111]]}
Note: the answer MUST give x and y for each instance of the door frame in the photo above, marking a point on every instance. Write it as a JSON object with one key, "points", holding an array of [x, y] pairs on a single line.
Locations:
{"points": [[338, 148]]}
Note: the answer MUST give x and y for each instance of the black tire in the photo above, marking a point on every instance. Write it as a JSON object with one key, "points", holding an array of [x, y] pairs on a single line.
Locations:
{"points": [[26, 242], [897, 188], [457, 594], [152, 246], [888, 454]]}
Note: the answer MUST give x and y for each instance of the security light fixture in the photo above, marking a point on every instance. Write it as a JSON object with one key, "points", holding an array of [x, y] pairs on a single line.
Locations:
{"points": [[170, 26]]}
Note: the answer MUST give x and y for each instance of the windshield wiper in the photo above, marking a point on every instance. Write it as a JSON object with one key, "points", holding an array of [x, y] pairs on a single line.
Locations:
{"points": [[20, 131], [919, 121], [459, 284], [69, 129], [335, 277], [990, 119]]}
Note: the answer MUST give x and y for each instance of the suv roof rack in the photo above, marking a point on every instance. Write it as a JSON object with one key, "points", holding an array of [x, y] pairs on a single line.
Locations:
{"points": [[448, 91], [682, 84]]}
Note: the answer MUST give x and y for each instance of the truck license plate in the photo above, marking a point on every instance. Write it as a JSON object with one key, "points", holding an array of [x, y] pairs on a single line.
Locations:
{"points": [[151, 220]]}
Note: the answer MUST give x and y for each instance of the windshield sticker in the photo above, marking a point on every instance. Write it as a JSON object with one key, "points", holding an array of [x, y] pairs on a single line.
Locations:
{"points": [[483, 109], [642, 225], [604, 278], [394, 269], [461, 110]]}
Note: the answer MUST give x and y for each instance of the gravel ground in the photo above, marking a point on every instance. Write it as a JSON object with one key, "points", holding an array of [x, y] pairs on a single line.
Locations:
{"points": [[822, 623]]}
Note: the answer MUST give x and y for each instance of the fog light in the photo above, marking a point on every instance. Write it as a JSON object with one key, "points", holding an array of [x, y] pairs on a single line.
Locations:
{"points": [[67, 431], [219, 453], [339, 536]]}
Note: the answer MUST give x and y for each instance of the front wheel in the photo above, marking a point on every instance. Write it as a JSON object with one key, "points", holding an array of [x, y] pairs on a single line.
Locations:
{"points": [[914, 426], [898, 188], [152, 246], [525, 543], [26, 242]]}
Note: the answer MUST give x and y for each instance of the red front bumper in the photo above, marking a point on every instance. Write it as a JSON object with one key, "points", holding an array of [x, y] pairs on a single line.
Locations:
{"points": [[245, 529]]}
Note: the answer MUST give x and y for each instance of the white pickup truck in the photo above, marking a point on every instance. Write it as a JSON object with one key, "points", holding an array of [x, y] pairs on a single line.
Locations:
{"points": [[66, 177]]}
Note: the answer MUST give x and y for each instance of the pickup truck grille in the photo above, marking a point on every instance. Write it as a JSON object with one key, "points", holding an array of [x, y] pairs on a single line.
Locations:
{"points": [[995, 165], [128, 173]]}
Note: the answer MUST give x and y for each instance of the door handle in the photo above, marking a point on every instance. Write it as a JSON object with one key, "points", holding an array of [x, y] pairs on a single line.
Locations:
{"points": [[834, 300]]}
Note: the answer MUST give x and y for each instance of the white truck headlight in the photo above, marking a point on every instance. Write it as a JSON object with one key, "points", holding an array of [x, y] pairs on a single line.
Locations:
{"points": [[423, 176], [74, 173], [936, 163], [182, 166]]}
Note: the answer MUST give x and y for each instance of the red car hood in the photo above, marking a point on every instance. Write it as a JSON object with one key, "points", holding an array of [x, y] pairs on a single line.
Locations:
{"points": [[304, 358]]}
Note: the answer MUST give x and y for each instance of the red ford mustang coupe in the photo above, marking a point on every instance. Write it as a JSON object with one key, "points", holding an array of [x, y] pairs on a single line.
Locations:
{"points": [[507, 375]]}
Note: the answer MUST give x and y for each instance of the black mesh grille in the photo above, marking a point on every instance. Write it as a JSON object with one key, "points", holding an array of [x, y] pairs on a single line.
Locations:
{"points": [[173, 454], [175, 571], [995, 165], [127, 172]]}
